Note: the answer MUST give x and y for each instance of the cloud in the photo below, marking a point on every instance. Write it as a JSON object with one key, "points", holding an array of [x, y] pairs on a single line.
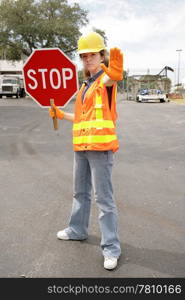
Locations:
{"points": [[148, 32]]}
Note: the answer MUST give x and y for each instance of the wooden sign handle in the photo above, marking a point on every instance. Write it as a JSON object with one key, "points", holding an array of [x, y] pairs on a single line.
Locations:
{"points": [[55, 120]]}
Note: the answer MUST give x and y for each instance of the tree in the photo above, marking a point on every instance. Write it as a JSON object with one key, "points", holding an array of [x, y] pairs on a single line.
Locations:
{"points": [[80, 77], [26, 25], [167, 84], [122, 83]]}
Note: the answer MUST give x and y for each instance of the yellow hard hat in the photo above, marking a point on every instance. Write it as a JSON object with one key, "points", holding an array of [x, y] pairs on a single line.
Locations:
{"points": [[91, 42]]}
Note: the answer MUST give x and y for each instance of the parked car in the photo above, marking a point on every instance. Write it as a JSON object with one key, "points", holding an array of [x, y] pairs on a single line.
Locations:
{"points": [[151, 95]]}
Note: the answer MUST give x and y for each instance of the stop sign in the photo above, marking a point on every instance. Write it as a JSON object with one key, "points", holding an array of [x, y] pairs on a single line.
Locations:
{"points": [[50, 74]]}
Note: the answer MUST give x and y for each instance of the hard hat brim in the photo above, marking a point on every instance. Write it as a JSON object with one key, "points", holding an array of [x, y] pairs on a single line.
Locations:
{"points": [[89, 50]]}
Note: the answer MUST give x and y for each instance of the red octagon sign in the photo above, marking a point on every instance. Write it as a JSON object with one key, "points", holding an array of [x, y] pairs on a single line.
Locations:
{"points": [[50, 74]]}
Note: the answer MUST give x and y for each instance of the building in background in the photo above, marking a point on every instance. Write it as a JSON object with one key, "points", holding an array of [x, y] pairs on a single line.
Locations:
{"points": [[11, 67]]}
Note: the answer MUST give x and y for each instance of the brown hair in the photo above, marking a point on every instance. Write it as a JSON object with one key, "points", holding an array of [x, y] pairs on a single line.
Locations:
{"points": [[104, 54]]}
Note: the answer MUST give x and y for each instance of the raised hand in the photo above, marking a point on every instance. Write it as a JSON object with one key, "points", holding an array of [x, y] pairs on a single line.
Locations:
{"points": [[115, 68]]}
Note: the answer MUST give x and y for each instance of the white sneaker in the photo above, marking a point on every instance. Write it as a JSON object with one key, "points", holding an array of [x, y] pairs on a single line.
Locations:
{"points": [[62, 235], [110, 263]]}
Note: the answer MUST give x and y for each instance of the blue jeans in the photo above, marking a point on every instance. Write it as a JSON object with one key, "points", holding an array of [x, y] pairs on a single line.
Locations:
{"points": [[94, 169]]}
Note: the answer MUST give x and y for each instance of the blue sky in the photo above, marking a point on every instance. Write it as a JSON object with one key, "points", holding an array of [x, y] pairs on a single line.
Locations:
{"points": [[148, 32]]}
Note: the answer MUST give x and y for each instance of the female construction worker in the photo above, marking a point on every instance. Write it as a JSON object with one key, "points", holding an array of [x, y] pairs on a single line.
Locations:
{"points": [[94, 142]]}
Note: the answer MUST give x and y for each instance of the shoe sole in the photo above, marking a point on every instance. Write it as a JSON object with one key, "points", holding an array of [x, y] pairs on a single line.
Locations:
{"points": [[111, 269]]}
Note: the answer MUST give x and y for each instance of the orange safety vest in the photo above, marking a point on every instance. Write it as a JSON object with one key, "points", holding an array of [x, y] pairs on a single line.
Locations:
{"points": [[94, 121]]}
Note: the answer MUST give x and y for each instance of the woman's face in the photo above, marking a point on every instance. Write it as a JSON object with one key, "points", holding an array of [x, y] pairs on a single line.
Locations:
{"points": [[91, 62]]}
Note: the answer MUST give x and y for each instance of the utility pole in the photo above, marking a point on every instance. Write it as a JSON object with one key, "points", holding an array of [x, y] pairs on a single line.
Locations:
{"points": [[178, 70]]}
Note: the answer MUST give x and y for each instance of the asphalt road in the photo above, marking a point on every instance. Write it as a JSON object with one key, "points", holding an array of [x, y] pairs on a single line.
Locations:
{"points": [[36, 194]]}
